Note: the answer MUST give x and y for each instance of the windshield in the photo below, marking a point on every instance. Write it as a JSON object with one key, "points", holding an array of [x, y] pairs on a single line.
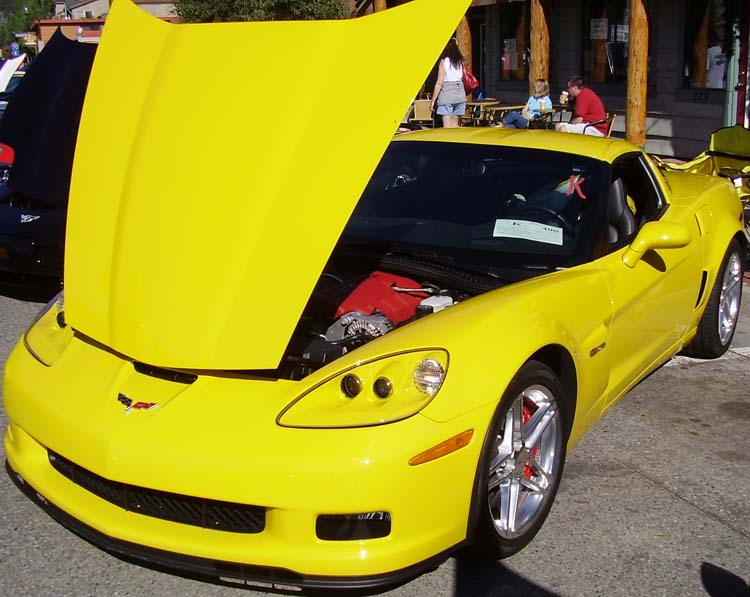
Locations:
{"points": [[483, 205]]}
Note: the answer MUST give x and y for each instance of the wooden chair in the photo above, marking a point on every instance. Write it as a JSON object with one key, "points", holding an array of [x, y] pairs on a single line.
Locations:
{"points": [[543, 121], [422, 114], [472, 115], [480, 114], [610, 120]]}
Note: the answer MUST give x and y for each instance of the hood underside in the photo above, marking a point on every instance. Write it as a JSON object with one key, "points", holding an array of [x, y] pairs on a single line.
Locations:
{"points": [[214, 173]]}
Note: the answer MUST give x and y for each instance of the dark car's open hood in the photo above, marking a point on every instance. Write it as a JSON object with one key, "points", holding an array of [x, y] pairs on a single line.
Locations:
{"points": [[216, 166], [41, 121]]}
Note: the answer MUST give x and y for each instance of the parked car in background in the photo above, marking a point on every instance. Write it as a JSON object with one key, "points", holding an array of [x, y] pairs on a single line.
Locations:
{"points": [[37, 137], [9, 90], [728, 156], [10, 76], [296, 355]]}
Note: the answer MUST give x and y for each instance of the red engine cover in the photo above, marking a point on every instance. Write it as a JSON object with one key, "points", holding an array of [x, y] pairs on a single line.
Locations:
{"points": [[7, 155], [376, 294]]}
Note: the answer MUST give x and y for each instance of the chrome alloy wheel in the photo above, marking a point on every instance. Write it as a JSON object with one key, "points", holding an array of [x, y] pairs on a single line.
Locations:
{"points": [[729, 300], [525, 461]]}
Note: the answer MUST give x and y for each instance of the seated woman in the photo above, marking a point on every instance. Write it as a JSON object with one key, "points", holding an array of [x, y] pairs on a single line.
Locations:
{"points": [[539, 101]]}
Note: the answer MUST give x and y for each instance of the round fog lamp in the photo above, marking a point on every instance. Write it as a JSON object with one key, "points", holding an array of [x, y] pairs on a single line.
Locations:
{"points": [[351, 385], [382, 387], [428, 376]]}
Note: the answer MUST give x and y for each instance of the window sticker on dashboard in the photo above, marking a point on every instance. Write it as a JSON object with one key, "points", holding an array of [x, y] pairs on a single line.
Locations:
{"points": [[541, 233]]}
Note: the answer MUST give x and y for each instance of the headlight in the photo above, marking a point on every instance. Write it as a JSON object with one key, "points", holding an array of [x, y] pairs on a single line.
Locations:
{"points": [[381, 391], [49, 335]]}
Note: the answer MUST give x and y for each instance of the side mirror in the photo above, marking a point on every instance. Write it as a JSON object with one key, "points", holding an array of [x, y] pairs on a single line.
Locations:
{"points": [[655, 235]]}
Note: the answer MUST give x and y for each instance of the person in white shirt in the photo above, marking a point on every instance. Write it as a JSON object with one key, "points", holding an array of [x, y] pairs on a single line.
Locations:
{"points": [[449, 93]]}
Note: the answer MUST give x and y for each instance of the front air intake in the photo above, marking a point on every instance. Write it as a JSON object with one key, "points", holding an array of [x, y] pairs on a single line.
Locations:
{"points": [[348, 527], [200, 512]]}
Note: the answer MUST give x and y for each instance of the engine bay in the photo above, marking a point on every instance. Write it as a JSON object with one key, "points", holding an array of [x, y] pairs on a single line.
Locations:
{"points": [[348, 310]]}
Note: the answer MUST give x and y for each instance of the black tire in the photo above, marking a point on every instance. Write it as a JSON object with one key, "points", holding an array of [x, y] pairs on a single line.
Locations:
{"points": [[490, 538], [719, 321]]}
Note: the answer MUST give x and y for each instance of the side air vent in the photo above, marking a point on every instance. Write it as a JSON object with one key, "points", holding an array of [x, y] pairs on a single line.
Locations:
{"points": [[704, 277]]}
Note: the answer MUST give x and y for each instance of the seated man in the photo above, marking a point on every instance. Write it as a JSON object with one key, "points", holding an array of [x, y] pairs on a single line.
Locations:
{"points": [[588, 108]]}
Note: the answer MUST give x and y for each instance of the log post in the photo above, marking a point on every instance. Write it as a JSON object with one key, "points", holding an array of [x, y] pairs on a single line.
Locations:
{"points": [[539, 68], [700, 45], [635, 117], [463, 38], [598, 73]]}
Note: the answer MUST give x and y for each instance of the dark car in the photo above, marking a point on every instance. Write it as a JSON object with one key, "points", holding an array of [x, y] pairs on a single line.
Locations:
{"points": [[37, 136], [7, 93]]}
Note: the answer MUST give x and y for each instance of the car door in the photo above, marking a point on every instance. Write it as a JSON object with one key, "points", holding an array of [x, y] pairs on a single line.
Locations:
{"points": [[653, 301]]}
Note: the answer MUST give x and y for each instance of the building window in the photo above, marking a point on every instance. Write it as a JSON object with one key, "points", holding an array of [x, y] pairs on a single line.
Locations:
{"points": [[89, 14], [606, 40], [707, 32], [514, 39]]}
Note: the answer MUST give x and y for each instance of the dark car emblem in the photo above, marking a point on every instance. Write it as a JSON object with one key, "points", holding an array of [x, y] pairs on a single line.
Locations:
{"points": [[131, 405]]}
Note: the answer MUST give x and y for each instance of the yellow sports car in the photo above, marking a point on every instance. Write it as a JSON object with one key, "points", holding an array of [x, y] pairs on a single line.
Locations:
{"points": [[302, 354]]}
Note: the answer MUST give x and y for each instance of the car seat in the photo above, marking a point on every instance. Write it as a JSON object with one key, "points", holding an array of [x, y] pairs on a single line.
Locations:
{"points": [[620, 219]]}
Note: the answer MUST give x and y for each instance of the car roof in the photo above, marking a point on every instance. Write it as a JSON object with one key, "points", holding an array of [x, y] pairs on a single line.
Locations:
{"points": [[605, 149]]}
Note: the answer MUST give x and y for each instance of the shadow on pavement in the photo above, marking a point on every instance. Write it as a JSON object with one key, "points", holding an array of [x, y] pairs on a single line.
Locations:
{"points": [[722, 583], [490, 579]]}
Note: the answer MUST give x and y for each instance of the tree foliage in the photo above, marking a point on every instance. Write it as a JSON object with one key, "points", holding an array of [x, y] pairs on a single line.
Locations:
{"points": [[200, 11], [17, 16]]}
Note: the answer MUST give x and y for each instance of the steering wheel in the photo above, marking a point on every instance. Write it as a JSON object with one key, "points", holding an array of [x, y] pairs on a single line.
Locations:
{"points": [[404, 176], [526, 210]]}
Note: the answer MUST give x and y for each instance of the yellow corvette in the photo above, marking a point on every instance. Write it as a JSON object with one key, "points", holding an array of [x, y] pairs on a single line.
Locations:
{"points": [[301, 355]]}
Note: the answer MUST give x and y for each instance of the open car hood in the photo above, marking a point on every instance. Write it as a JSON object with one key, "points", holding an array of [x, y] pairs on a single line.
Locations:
{"points": [[41, 121], [10, 66], [214, 173]]}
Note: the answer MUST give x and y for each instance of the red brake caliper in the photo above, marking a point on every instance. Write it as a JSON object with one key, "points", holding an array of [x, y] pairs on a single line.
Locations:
{"points": [[527, 412]]}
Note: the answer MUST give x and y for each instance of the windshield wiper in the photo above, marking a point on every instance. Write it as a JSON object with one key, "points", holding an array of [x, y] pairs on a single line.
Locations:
{"points": [[542, 268], [418, 255], [421, 254]]}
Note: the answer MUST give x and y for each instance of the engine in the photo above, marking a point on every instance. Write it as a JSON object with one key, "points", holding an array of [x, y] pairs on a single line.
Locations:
{"points": [[346, 312]]}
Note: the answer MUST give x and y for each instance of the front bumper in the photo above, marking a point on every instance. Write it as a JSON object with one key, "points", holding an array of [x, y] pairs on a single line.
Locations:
{"points": [[234, 451], [230, 573]]}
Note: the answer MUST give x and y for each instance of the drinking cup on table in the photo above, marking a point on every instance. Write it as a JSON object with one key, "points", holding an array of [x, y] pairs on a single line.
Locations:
{"points": [[564, 98]]}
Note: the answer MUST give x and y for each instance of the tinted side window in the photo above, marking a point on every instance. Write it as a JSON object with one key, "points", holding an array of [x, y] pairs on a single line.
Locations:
{"points": [[633, 199], [642, 192]]}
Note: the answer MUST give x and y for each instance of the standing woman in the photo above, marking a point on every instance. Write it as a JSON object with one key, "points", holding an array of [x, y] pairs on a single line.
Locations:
{"points": [[449, 91]]}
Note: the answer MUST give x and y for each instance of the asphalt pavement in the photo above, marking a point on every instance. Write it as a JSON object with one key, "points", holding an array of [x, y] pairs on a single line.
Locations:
{"points": [[655, 500]]}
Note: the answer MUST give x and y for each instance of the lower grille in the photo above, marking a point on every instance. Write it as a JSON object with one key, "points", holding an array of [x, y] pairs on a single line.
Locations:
{"points": [[208, 514]]}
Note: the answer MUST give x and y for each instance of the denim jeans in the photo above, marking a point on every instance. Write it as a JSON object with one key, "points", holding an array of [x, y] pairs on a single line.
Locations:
{"points": [[514, 120]]}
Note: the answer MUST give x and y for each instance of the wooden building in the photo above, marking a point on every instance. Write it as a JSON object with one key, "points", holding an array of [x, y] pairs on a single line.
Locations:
{"points": [[673, 70], [83, 20]]}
